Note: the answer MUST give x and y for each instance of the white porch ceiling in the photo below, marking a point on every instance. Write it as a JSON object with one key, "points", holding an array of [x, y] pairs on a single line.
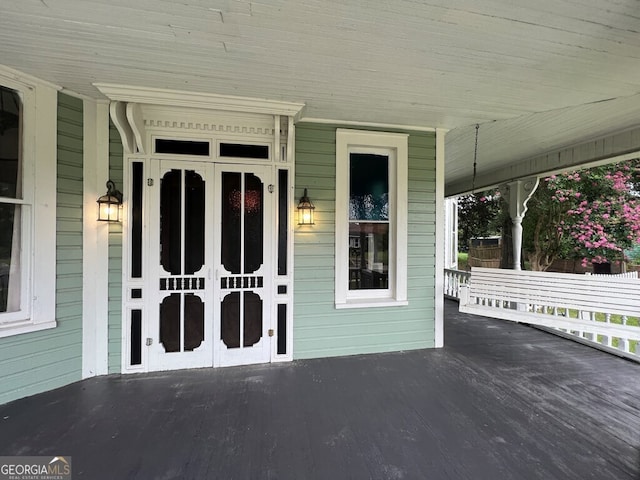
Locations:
{"points": [[537, 75]]}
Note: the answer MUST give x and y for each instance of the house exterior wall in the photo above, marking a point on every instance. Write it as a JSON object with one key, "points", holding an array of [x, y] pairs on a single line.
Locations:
{"points": [[35, 362], [320, 330]]}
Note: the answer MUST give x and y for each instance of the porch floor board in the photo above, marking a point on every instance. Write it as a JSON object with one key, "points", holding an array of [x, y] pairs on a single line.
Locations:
{"points": [[500, 401]]}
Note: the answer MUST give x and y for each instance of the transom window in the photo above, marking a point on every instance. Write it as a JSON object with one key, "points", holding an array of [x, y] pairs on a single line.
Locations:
{"points": [[371, 224]]}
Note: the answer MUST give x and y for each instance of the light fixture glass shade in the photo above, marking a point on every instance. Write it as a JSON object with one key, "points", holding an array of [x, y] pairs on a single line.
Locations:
{"points": [[305, 210], [109, 204]]}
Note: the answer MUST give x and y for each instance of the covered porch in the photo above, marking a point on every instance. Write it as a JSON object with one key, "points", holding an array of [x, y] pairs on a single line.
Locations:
{"points": [[499, 401]]}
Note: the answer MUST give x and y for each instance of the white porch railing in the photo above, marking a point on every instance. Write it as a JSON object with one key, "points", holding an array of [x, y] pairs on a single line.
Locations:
{"points": [[633, 274], [452, 281], [602, 311]]}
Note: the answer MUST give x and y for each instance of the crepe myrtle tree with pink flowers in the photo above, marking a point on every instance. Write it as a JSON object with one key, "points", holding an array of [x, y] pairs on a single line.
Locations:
{"points": [[592, 215]]}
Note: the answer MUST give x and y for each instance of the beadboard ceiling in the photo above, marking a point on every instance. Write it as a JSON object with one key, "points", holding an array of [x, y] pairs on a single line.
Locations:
{"points": [[536, 75]]}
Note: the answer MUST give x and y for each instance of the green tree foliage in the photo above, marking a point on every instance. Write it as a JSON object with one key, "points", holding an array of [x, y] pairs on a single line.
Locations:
{"points": [[479, 215], [592, 215], [542, 241]]}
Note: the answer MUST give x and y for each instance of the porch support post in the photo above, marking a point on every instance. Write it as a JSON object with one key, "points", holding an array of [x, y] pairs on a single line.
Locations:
{"points": [[95, 241], [520, 191], [439, 240]]}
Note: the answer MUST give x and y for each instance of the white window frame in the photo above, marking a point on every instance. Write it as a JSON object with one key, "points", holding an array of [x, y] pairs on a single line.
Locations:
{"points": [[38, 249], [395, 146]]}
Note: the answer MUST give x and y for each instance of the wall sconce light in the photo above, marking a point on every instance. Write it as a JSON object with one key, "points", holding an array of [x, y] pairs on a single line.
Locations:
{"points": [[305, 210], [109, 204]]}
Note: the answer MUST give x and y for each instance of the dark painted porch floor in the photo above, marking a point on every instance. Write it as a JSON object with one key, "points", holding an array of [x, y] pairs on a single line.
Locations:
{"points": [[501, 401]]}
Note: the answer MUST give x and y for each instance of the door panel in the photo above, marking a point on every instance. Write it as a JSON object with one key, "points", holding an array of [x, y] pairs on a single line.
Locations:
{"points": [[180, 221], [204, 219], [244, 213]]}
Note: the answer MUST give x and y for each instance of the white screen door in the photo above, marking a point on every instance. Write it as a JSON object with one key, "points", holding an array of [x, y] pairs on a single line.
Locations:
{"points": [[210, 260], [243, 257]]}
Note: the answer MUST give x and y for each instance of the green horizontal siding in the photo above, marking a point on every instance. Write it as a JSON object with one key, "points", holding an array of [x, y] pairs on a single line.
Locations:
{"points": [[319, 329], [40, 361], [115, 258]]}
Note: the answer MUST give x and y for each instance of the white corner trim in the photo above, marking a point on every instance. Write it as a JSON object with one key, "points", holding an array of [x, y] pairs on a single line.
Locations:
{"points": [[95, 255], [18, 76], [365, 124], [440, 241], [181, 98], [44, 134], [83, 97]]}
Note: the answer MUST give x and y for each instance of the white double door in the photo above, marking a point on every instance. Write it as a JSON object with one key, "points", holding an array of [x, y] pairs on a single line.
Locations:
{"points": [[209, 269]]}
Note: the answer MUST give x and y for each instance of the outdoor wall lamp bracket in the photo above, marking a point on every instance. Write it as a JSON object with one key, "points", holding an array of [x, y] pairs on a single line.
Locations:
{"points": [[305, 210], [109, 204]]}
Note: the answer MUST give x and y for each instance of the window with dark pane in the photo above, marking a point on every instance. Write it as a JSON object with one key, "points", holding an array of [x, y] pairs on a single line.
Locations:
{"points": [[182, 147], [282, 328], [10, 188], [244, 150], [135, 357], [283, 220], [10, 124], [368, 221], [136, 219]]}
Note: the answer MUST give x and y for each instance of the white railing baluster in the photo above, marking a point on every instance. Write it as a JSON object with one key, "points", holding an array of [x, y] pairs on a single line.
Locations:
{"points": [[453, 280]]}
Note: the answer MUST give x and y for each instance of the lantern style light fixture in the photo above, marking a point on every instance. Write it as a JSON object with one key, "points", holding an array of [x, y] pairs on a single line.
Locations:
{"points": [[109, 204], [305, 210]]}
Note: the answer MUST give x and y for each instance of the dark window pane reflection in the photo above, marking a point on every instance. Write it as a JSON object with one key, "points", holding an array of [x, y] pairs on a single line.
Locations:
{"points": [[10, 124], [10, 239], [368, 187], [368, 256]]}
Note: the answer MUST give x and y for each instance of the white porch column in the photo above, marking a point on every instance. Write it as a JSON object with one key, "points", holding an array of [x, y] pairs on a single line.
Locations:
{"points": [[440, 240], [451, 233], [95, 241], [519, 193]]}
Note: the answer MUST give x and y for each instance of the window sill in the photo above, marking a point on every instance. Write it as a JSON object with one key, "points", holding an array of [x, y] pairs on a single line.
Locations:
{"points": [[372, 303], [24, 327]]}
